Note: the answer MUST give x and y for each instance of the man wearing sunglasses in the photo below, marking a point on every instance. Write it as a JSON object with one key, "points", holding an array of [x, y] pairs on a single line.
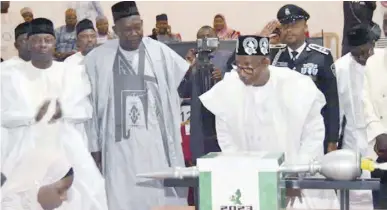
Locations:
{"points": [[259, 107], [312, 60]]}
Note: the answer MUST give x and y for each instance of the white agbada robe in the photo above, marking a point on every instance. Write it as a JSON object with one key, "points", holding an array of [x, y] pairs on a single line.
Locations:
{"points": [[350, 82], [284, 115], [38, 167], [375, 97], [146, 149], [5, 66], [77, 59], [24, 89]]}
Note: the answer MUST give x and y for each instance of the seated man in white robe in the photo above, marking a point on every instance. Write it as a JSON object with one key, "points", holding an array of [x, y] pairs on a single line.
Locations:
{"points": [[259, 107], [350, 70], [28, 89], [86, 41], [136, 119]]}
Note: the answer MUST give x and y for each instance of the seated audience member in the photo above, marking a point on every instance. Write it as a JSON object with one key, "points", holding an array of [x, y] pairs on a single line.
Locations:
{"points": [[103, 32], [27, 14], [375, 104], [66, 37], [8, 24], [164, 31], [41, 181], [222, 30]]}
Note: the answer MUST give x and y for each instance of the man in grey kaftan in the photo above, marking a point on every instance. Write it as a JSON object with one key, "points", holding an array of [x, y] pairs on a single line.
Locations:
{"points": [[136, 122]]}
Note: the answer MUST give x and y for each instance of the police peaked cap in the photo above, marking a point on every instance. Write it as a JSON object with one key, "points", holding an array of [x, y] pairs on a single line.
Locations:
{"points": [[291, 13]]}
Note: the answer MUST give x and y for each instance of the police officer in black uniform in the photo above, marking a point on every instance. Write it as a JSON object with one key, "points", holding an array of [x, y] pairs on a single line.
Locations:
{"points": [[312, 60]]}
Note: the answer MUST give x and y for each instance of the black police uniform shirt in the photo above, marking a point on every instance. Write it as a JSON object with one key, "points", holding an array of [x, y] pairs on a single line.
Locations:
{"points": [[316, 62]]}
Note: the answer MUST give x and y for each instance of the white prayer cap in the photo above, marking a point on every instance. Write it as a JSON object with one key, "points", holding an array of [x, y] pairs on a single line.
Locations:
{"points": [[25, 10], [101, 17]]}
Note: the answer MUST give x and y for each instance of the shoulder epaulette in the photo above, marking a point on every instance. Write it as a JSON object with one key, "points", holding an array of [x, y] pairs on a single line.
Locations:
{"points": [[277, 46], [319, 48]]}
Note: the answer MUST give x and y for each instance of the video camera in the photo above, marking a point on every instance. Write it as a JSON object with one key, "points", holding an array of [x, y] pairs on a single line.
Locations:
{"points": [[203, 66]]}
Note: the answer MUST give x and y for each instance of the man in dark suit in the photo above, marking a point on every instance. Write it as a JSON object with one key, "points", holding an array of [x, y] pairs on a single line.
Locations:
{"points": [[312, 60]]}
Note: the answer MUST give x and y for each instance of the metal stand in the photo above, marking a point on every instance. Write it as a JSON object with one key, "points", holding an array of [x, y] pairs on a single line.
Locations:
{"points": [[344, 199], [308, 183]]}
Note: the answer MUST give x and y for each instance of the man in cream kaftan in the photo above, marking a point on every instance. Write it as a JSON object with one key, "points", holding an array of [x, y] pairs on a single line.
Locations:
{"points": [[281, 115], [25, 87], [136, 119]]}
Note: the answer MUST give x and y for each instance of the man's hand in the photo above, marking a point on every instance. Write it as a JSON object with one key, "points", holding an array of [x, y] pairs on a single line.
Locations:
{"points": [[58, 113], [381, 146], [332, 146], [292, 195], [217, 74], [97, 156], [191, 57], [42, 111], [269, 28]]}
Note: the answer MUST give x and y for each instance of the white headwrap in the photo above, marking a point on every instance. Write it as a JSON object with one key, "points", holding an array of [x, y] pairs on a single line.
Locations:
{"points": [[37, 168], [25, 10]]}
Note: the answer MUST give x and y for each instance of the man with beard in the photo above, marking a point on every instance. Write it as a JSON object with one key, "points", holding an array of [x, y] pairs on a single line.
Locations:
{"points": [[21, 45], [350, 72], [375, 112], [86, 41], [136, 120], [44, 91], [164, 33], [312, 60]]}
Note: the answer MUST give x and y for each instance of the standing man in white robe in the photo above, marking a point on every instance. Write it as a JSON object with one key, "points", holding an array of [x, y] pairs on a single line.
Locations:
{"points": [[350, 70], [23, 55], [28, 90], [86, 41], [21, 45], [259, 107], [375, 112], [136, 118]]}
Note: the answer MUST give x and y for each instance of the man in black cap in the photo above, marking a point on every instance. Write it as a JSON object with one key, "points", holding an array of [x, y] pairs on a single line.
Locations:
{"points": [[86, 41], [164, 33], [21, 45], [136, 121], [259, 107], [312, 60], [355, 13], [350, 72], [29, 89]]}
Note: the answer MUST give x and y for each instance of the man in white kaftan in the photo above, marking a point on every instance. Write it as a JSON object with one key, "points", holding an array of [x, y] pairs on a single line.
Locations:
{"points": [[86, 41], [136, 119], [23, 56], [350, 71], [27, 89], [259, 107]]}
